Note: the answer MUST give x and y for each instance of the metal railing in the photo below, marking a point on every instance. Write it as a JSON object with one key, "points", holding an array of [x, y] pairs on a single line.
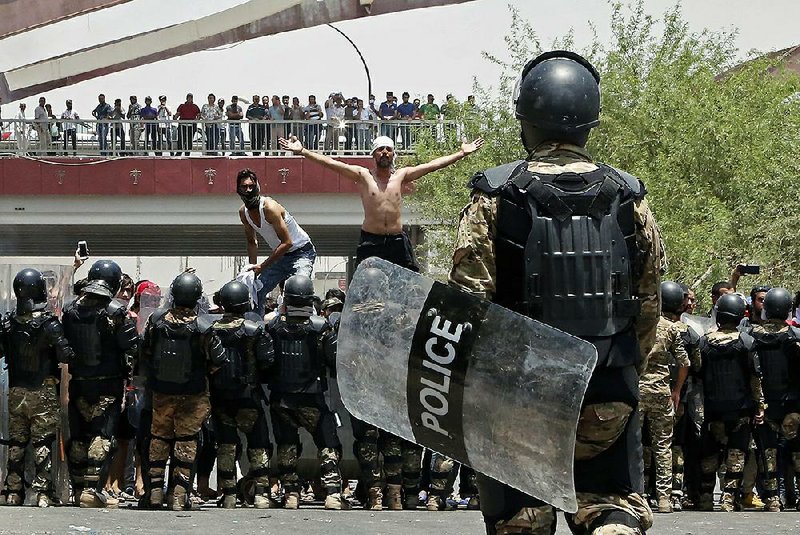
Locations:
{"points": [[114, 138]]}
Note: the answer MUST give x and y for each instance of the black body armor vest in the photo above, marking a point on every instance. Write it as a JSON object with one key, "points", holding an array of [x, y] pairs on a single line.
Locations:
{"points": [[777, 353], [179, 360], [566, 251], [30, 355], [90, 332], [726, 375], [240, 371], [299, 359]]}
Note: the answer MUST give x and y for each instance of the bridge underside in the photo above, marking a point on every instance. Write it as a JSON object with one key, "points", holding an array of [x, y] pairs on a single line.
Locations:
{"points": [[158, 240]]}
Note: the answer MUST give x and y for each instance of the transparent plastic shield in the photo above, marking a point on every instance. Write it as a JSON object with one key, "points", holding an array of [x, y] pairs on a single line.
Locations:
{"points": [[59, 292], [493, 389], [149, 302], [701, 325]]}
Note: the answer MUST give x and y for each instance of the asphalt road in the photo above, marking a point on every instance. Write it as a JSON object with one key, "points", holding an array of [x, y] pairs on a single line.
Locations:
{"points": [[314, 520]]}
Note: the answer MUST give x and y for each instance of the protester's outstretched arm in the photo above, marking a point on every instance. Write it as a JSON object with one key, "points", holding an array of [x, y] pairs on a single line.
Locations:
{"points": [[353, 172], [413, 173]]}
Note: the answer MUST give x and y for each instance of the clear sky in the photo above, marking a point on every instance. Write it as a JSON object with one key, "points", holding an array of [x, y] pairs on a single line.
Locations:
{"points": [[437, 50]]}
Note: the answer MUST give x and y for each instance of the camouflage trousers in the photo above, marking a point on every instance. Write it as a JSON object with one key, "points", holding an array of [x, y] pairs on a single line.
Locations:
{"points": [[402, 460], [291, 412], [177, 420], [443, 472], [33, 418], [94, 411], [729, 437], [601, 427], [678, 456], [767, 436], [246, 415], [657, 415]]}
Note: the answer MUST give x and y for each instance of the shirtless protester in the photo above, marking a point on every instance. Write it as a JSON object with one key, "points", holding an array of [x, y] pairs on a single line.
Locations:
{"points": [[292, 251], [382, 232], [396, 484]]}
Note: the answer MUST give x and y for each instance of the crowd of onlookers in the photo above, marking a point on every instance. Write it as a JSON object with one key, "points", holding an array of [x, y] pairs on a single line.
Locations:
{"points": [[338, 123]]}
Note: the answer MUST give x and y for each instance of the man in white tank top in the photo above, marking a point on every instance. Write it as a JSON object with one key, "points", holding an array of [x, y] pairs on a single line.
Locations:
{"points": [[292, 250]]}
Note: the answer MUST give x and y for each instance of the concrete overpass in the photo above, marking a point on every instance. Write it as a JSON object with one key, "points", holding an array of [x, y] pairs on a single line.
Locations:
{"points": [[166, 206]]}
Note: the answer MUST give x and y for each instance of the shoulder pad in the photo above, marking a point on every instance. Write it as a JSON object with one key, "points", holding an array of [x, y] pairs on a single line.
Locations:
{"points": [[252, 328], [204, 323], [115, 308], [491, 180], [158, 315], [689, 337], [254, 316], [318, 323], [794, 333], [334, 318], [41, 320], [273, 323], [636, 186], [747, 340], [69, 306]]}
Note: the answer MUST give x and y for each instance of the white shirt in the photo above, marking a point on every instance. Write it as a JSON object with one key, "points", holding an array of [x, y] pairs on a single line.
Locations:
{"points": [[69, 117], [298, 236]]}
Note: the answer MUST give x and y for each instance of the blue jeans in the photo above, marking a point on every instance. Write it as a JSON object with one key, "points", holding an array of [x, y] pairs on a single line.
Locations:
{"points": [[297, 262], [102, 136], [234, 132]]}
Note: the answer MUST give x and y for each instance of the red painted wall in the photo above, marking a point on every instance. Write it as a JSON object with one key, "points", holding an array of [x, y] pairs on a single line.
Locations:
{"points": [[166, 176]]}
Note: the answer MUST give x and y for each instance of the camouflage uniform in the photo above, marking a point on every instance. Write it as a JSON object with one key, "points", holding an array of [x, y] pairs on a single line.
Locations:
{"points": [[179, 409], [727, 428], [779, 359], [684, 436], [291, 412], [304, 351], [96, 385], [34, 411], [402, 460], [600, 424], [236, 405], [443, 473], [655, 407]]}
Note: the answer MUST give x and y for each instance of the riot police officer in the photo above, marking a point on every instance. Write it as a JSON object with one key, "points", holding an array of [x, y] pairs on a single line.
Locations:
{"points": [[733, 396], [32, 341], [660, 395], [518, 244], [178, 347], [101, 333], [236, 394], [777, 346], [297, 384], [688, 412]]}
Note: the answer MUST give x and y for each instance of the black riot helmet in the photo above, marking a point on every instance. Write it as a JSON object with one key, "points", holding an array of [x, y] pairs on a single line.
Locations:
{"points": [[558, 97], [29, 285], [777, 304], [730, 309], [250, 197], [106, 270], [671, 297], [234, 297], [298, 290], [186, 290]]}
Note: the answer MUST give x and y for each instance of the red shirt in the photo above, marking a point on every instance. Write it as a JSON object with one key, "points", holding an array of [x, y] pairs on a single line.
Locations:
{"points": [[188, 111]]}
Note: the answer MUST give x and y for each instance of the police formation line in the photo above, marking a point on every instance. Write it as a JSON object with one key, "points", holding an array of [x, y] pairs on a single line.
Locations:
{"points": [[190, 367], [724, 391]]}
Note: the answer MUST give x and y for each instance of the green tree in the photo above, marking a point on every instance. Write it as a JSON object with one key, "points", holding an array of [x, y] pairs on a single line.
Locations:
{"points": [[716, 143]]}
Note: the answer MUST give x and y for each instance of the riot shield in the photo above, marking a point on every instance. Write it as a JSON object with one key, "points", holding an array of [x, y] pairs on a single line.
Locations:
{"points": [[491, 388], [59, 291], [149, 302], [701, 325]]}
